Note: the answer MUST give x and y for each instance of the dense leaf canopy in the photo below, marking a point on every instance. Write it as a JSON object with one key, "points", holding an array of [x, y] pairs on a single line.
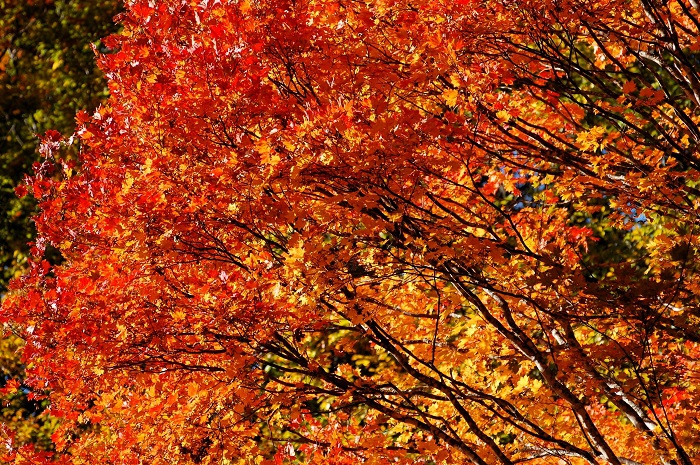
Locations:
{"points": [[377, 232], [47, 73]]}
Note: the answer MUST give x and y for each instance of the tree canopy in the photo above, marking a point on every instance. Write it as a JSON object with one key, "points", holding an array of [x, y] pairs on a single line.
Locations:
{"points": [[378, 231], [47, 73]]}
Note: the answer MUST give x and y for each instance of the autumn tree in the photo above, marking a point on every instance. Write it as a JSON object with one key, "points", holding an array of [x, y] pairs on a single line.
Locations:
{"points": [[47, 73], [377, 232]]}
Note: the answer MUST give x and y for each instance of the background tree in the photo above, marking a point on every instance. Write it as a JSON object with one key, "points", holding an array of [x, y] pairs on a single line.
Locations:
{"points": [[47, 73], [377, 232]]}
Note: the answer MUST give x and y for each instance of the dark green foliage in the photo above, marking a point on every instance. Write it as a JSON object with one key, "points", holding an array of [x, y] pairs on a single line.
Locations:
{"points": [[47, 73]]}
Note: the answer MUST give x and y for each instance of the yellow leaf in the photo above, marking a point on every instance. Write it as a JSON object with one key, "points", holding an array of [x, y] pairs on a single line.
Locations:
{"points": [[503, 115], [450, 97]]}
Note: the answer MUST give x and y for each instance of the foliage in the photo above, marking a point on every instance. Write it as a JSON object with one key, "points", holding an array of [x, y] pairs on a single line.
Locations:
{"points": [[19, 413], [47, 73], [377, 232]]}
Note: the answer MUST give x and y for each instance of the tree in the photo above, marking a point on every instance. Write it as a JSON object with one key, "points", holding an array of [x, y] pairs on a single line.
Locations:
{"points": [[47, 73], [372, 232]]}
